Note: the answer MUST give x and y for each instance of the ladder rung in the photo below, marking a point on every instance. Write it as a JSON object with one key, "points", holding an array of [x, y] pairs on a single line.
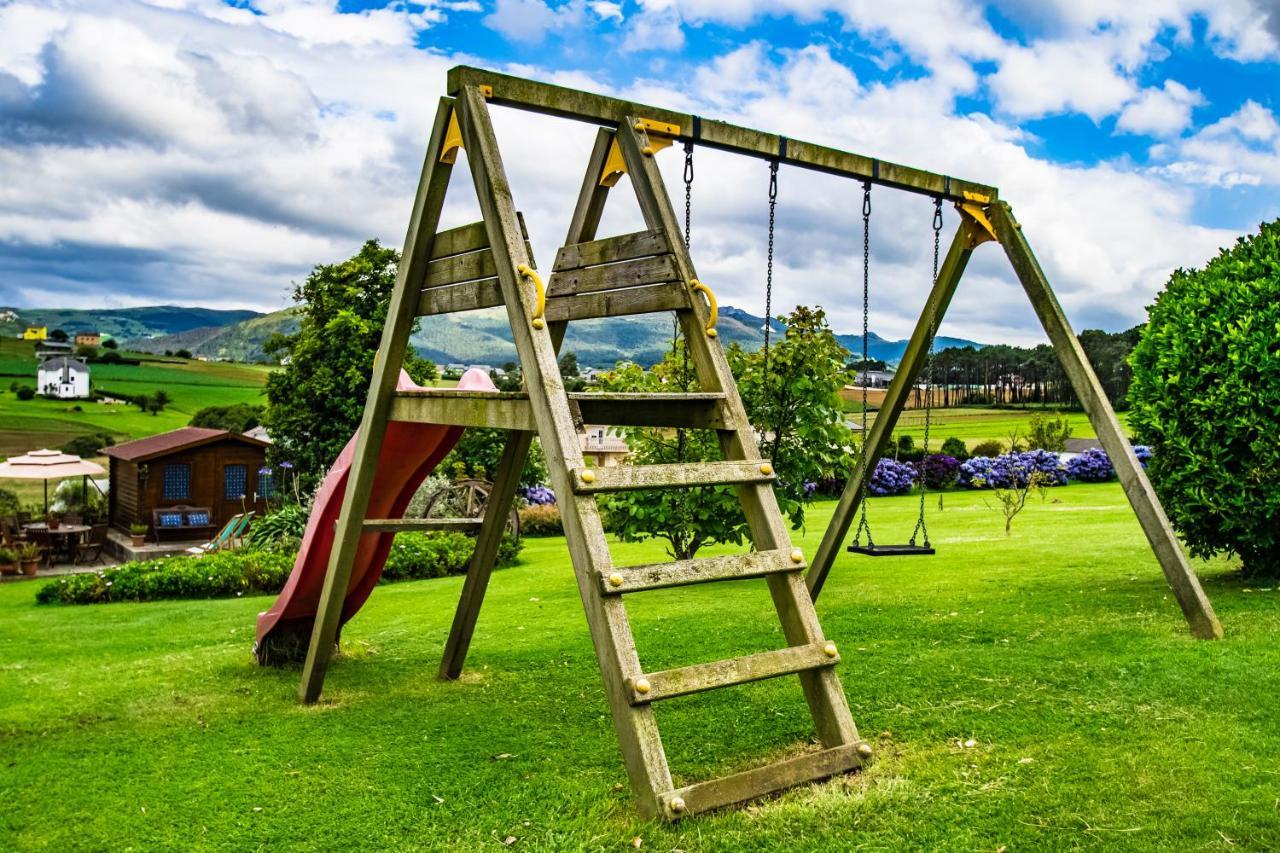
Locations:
{"points": [[489, 409], [485, 293], [670, 683], [705, 410], [649, 299], [457, 241], [624, 478], [633, 273], [610, 250], [684, 572], [460, 268], [749, 784], [401, 525]]}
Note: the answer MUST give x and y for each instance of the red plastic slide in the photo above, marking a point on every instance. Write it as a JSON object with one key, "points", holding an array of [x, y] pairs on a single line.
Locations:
{"points": [[410, 452]]}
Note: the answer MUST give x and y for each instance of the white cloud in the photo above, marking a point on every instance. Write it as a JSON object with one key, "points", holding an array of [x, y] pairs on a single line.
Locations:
{"points": [[1241, 149], [1163, 111], [532, 20], [1078, 75], [657, 26]]}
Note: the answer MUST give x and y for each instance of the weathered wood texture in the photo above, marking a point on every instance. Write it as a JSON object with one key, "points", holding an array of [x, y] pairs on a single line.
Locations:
{"points": [[423, 222], [904, 380], [1155, 524], [585, 106], [631, 273], [404, 525], [750, 784], [487, 409], [649, 299], [705, 570], [608, 250], [684, 680], [674, 475]]}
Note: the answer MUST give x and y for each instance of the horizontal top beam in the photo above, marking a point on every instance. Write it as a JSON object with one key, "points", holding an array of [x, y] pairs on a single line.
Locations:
{"points": [[600, 109]]}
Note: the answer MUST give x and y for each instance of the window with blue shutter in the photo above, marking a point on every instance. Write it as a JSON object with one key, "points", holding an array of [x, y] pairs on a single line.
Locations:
{"points": [[235, 480], [177, 481]]}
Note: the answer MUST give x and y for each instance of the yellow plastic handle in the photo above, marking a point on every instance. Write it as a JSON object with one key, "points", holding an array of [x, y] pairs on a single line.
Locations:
{"points": [[532, 274], [699, 287]]}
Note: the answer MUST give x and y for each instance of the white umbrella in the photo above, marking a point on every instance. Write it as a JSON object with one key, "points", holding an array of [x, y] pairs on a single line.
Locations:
{"points": [[47, 465]]}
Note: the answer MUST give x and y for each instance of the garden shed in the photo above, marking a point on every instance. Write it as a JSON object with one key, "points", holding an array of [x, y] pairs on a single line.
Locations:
{"points": [[213, 469]]}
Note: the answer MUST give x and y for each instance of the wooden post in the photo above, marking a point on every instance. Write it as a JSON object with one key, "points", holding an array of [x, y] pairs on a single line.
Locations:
{"points": [[1155, 524], [386, 370], [904, 380]]}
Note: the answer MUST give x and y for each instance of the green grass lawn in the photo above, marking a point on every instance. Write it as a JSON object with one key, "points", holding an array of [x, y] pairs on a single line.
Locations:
{"points": [[973, 424], [1097, 720]]}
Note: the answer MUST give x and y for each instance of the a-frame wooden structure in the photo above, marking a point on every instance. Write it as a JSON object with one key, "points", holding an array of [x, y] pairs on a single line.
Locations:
{"points": [[490, 263]]}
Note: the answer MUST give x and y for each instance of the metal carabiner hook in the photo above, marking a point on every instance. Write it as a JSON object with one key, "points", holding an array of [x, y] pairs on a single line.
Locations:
{"points": [[937, 214], [866, 199], [773, 180]]}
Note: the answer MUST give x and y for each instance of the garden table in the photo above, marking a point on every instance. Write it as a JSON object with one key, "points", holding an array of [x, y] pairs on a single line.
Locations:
{"points": [[63, 533]]}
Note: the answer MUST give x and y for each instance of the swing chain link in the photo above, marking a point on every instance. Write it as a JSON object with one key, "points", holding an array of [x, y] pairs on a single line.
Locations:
{"points": [[688, 190], [863, 524], [768, 281], [921, 527]]}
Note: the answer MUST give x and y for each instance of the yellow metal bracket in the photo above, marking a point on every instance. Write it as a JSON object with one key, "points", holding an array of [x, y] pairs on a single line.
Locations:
{"points": [[698, 287], [453, 134], [656, 135], [540, 305], [974, 212]]}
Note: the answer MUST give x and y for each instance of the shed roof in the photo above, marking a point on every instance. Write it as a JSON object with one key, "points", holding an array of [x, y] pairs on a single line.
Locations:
{"points": [[152, 447], [64, 362]]}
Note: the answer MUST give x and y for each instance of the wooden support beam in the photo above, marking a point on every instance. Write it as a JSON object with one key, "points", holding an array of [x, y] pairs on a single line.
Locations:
{"points": [[1137, 487], [649, 299], [488, 409], [429, 201], [458, 241], [759, 781], [610, 250], [669, 683], [687, 411], [470, 296], [633, 273], [405, 525], [613, 112], [904, 380], [626, 579], [624, 478], [505, 482]]}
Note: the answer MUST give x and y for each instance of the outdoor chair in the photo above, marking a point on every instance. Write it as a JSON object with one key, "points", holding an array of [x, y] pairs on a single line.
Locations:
{"points": [[90, 550], [73, 518], [44, 541], [223, 538]]}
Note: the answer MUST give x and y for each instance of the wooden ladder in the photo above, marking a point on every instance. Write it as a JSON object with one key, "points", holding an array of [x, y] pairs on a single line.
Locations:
{"points": [[490, 263]]}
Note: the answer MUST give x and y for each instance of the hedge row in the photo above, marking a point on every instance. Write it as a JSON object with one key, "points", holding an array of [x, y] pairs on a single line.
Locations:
{"points": [[254, 571]]}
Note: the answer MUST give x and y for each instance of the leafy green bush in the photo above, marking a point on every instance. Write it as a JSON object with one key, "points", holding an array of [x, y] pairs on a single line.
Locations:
{"points": [[1046, 433], [1205, 392], [955, 447], [25, 392], [239, 417], [435, 555], [9, 503], [283, 526], [541, 520], [88, 445], [990, 448]]}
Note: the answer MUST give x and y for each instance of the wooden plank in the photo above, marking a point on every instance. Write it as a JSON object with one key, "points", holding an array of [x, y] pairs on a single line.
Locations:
{"points": [[760, 781], [471, 296], [633, 273], [623, 478], [611, 636], [904, 380], [423, 222], [610, 250], [823, 692], [460, 268], [755, 564], [649, 299], [599, 109], [488, 409], [505, 482], [700, 677], [1137, 487], [688, 411], [460, 240], [404, 525]]}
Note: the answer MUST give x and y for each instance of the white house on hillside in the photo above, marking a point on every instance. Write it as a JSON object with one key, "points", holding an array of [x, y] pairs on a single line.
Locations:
{"points": [[64, 378]]}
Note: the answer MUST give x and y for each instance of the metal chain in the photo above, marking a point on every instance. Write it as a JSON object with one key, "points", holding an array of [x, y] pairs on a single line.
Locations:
{"points": [[768, 279], [921, 528], [863, 524], [688, 191]]}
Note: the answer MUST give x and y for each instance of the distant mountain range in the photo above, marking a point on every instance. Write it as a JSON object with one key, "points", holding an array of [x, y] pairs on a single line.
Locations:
{"points": [[476, 337]]}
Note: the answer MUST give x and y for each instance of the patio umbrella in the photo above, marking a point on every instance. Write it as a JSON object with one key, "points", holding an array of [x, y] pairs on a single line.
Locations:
{"points": [[47, 465]]}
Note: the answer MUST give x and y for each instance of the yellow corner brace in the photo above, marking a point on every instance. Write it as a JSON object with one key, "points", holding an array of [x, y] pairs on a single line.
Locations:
{"points": [[452, 140], [531, 274], [658, 135], [699, 287]]}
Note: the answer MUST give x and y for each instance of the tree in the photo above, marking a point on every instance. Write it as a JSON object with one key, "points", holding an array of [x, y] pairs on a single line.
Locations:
{"points": [[1045, 433], [1206, 388], [686, 519], [86, 351], [182, 353], [795, 405], [110, 343], [58, 335], [478, 452], [569, 365], [240, 417], [316, 402]]}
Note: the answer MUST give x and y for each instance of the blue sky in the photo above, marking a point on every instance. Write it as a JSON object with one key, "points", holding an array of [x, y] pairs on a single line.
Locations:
{"points": [[206, 152]]}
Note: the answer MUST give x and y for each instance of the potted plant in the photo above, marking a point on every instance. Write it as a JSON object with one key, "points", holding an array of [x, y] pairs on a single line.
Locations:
{"points": [[138, 532], [29, 557], [53, 519], [8, 561]]}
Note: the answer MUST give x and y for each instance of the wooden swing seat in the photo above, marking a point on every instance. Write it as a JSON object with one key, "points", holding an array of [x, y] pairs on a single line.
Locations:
{"points": [[892, 550]]}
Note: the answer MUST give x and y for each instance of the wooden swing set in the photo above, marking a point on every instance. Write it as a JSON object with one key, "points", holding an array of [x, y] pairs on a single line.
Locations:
{"points": [[490, 263]]}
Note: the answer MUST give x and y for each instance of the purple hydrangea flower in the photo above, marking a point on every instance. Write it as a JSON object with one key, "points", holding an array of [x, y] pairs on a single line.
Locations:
{"points": [[538, 494], [1092, 466], [1013, 469], [891, 478], [938, 470]]}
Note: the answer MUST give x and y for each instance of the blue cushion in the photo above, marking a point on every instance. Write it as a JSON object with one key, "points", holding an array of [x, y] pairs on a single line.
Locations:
{"points": [[170, 519], [197, 519]]}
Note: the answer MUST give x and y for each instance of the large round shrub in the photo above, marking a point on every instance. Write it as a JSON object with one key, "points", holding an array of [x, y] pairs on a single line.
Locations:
{"points": [[1205, 396]]}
